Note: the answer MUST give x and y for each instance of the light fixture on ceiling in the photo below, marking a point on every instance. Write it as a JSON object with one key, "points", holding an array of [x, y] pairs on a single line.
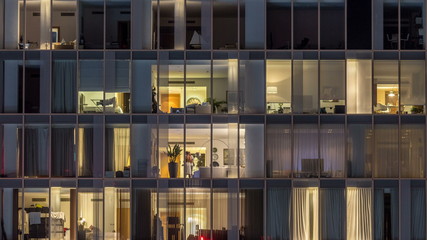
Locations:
{"points": [[391, 94], [272, 90]]}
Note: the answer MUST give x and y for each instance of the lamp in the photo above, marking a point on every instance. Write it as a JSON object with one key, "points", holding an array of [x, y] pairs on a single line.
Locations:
{"points": [[272, 90], [391, 94]]}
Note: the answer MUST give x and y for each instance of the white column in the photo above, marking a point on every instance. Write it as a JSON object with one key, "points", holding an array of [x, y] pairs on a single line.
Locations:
{"points": [[142, 24], [179, 24], [254, 149], [233, 81], [253, 84], [45, 24], [141, 85]]}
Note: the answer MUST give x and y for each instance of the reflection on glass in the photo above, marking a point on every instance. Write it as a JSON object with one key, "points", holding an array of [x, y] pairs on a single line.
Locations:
{"points": [[198, 87], [198, 213], [412, 150], [360, 150], [224, 140], [251, 213], [412, 86], [91, 22], [305, 213], [386, 158], [278, 86], [37, 208], [117, 213], [386, 87], [252, 24], [251, 154], [225, 24], [198, 29], [171, 214], [117, 80], [332, 90], [117, 34], [11, 200], [332, 24], [144, 91], [11, 139], [359, 86], [332, 150], [38, 24], [386, 22], [64, 24], [279, 150], [91, 87], [198, 151], [412, 17], [36, 140], [386, 210], [225, 86], [144, 157], [117, 151], [90, 214], [305, 24], [144, 34], [278, 24], [11, 67], [63, 157], [359, 213], [172, 24], [144, 213], [305, 86], [306, 155], [63, 219], [332, 212]]}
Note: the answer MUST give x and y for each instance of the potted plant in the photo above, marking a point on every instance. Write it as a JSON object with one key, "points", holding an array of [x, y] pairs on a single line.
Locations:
{"points": [[173, 153]]}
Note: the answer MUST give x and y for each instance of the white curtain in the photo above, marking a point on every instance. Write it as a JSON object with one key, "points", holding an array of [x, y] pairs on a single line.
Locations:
{"points": [[305, 214], [121, 148], [332, 149], [359, 214]]}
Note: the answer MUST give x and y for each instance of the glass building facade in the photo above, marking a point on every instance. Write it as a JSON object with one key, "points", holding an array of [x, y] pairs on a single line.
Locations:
{"points": [[213, 119]]}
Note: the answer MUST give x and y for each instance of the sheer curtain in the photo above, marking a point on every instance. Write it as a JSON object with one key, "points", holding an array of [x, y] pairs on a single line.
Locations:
{"points": [[85, 152], [64, 86], [118, 149], [279, 150], [359, 213], [412, 150], [386, 151], [332, 203], [278, 213], [306, 144], [332, 149], [305, 214], [36, 140], [63, 163], [418, 213]]}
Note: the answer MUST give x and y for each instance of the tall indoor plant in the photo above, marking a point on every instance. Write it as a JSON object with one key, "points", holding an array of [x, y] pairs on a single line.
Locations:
{"points": [[173, 154]]}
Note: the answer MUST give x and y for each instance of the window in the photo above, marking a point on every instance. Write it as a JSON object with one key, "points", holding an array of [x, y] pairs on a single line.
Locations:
{"points": [[12, 25], [332, 89], [412, 208], [38, 24], [90, 147], [359, 24], [412, 24], [144, 83], [91, 22], [225, 83], [118, 32], [278, 209], [251, 144], [117, 150], [251, 209], [332, 209], [62, 218], [171, 211], [224, 139], [11, 80], [171, 83], [144, 212], [305, 212], [64, 25], [171, 136], [305, 86], [11, 200], [278, 147], [198, 28], [144, 147], [386, 209], [359, 85], [386, 23], [36, 149], [64, 79], [91, 84], [332, 24], [37, 82], [306, 162], [412, 147], [278, 86], [90, 213], [36, 202], [386, 154], [305, 24], [225, 24], [198, 211], [252, 83], [278, 24], [359, 212], [11, 139], [252, 24], [386, 87], [360, 147], [197, 163], [172, 24], [62, 151], [117, 81], [117, 212], [198, 86], [332, 147], [144, 34], [412, 86], [225, 197]]}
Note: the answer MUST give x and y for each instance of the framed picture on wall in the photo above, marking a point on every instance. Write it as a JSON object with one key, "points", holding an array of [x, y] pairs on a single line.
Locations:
{"points": [[227, 155]]}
